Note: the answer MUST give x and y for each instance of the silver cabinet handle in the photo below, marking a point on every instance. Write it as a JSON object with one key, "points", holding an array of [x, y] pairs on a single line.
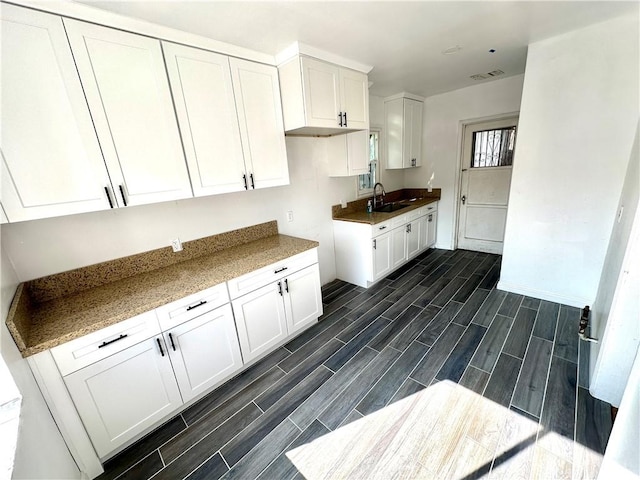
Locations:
{"points": [[464, 199]]}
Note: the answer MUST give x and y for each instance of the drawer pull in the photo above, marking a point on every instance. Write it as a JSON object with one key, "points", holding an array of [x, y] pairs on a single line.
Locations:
{"points": [[173, 345], [382, 227], [191, 307], [160, 346], [104, 344], [281, 270]]}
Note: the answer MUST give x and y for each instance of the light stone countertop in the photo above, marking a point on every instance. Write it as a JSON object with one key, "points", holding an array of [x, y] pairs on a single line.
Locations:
{"points": [[37, 326]]}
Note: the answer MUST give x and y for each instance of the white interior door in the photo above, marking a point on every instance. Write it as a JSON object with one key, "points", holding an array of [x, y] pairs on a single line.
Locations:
{"points": [[487, 158]]}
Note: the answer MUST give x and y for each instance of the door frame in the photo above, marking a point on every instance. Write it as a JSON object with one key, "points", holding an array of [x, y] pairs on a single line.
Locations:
{"points": [[462, 125]]}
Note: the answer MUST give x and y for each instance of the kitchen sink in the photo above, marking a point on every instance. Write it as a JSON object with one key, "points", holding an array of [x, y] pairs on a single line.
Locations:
{"points": [[390, 207]]}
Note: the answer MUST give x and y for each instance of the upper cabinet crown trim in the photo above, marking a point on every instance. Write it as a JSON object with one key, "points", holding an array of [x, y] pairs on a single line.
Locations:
{"points": [[298, 48], [141, 27]]}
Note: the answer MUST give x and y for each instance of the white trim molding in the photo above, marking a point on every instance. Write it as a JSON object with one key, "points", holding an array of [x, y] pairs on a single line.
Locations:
{"points": [[578, 302]]}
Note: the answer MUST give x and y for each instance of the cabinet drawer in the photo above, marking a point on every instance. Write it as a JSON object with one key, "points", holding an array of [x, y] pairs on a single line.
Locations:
{"points": [[83, 351], [417, 213], [399, 220], [380, 228], [175, 313], [258, 278]]}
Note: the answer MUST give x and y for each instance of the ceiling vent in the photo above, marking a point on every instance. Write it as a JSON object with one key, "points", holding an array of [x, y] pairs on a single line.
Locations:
{"points": [[484, 76]]}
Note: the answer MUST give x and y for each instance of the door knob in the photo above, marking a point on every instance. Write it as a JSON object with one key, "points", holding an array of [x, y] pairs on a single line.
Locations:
{"points": [[464, 199]]}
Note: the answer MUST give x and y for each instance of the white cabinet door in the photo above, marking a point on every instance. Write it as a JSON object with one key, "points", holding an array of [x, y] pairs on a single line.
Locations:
{"points": [[204, 351], [432, 220], [260, 320], [354, 94], [206, 109], [348, 154], [124, 394], [51, 160], [412, 142], [303, 299], [257, 96], [321, 93], [413, 238], [126, 85], [424, 232], [382, 255], [398, 247]]}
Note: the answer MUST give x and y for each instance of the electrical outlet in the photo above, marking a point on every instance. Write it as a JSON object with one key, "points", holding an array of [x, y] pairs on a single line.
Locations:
{"points": [[176, 245], [290, 216]]}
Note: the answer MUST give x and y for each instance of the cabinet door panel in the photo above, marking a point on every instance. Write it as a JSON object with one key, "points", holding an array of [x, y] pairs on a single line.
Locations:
{"points": [[124, 394], [124, 78], [303, 302], [415, 128], [204, 351], [260, 320], [321, 93], [382, 255], [257, 95], [51, 160], [424, 232], [354, 90], [432, 220], [398, 247], [413, 239], [203, 94]]}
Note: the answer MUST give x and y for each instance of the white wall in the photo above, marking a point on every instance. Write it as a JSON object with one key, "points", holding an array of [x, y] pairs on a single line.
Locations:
{"points": [[41, 452], [443, 117], [577, 124], [615, 318], [43, 247]]}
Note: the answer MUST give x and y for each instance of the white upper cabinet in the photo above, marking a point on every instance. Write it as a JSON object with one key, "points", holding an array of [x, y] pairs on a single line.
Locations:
{"points": [[321, 98], [403, 123], [51, 159], [206, 109], [126, 86], [257, 96], [348, 154]]}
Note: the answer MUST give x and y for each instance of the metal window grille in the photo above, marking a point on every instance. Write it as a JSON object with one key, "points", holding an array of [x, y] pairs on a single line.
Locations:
{"points": [[493, 148]]}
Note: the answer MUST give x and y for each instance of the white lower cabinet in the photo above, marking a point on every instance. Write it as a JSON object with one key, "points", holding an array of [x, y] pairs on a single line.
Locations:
{"points": [[381, 255], [366, 253], [125, 379], [204, 351], [122, 395], [276, 301], [260, 320], [413, 238], [432, 219], [303, 298]]}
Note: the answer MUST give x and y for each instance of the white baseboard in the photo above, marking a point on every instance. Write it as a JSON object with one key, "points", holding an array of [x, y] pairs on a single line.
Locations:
{"points": [[578, 302]]}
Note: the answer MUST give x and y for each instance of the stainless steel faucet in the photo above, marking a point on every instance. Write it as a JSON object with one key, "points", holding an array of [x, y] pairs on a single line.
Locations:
{"points": [[375, 197]]}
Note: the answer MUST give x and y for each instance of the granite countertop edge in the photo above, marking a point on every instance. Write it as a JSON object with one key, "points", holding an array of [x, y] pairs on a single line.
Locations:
{"points": [[60, 320], [379, 217]]}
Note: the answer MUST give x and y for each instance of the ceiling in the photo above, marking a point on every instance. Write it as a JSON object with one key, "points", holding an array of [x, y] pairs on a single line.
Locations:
{"points": [[403, 41]]}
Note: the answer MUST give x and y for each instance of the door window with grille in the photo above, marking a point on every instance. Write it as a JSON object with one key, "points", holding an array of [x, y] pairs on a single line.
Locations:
{"points": [[493, 148]]}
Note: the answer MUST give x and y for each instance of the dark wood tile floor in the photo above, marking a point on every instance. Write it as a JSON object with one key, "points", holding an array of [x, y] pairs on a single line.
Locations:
{"points": [[438, 317]]}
